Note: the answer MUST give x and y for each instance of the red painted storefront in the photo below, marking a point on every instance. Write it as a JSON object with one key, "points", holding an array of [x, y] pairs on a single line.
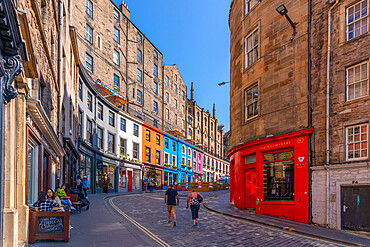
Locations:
{"points": [[271, 175]]}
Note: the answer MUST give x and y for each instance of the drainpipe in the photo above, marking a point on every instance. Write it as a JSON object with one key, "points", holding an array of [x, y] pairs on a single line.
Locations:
{"points": [[59, 74], [309, 112], [328, 116]]}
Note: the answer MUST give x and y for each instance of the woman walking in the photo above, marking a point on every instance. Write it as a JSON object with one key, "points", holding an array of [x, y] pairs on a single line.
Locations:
{"points": [[194, 205]]}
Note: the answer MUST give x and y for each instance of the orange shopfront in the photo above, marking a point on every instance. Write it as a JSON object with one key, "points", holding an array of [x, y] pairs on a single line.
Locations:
{"points": [[271, 176]]}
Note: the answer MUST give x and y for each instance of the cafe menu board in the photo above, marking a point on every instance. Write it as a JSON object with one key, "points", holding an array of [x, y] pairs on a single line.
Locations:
{"points": [[50, 225]]}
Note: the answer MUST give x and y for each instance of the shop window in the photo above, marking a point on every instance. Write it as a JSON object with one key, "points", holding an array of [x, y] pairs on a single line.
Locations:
{"points": [[147, 135], [166, 143], [357, 19], [250, 159], [123, 124], [135, 150], [157, 140], [32, 181], [136, 130], [158, 157], [357, 142], [251, 102], [357, 81], [173, 146], [278, 176], [123, 146], [111, 143], [147, 154], [99, 137]]}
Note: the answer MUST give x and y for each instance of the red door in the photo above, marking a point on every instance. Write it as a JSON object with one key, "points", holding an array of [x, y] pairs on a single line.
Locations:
{"points": [[129, 181], [250, 188]]}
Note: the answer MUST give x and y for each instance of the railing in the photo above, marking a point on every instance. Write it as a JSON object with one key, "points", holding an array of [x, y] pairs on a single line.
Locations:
{"points": [[203, 186]]}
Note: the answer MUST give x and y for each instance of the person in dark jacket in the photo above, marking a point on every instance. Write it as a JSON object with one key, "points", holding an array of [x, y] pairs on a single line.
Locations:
{"points": [[45, 205]]}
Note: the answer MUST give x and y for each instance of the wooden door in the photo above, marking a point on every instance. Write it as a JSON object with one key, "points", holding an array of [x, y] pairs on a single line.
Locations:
{"points": [[129, 181], [250, 188]]}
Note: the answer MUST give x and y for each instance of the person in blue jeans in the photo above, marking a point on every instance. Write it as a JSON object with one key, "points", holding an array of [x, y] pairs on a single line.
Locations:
{"points": [[194, 205], [85, 185]]}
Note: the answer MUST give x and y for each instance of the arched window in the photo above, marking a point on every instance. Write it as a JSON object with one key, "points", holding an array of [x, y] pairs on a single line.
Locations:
{"points": [[189, 152]]}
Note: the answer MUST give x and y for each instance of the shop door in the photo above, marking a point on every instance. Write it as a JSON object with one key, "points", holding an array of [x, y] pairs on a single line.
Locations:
{"points": [[129, 181], [356, 208], [250, 188]]}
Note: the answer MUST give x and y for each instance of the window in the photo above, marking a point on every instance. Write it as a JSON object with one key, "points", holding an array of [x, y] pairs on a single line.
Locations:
{"points": [[251, 102], [79, 128], [155, 55], [183, 95], [115, 57], [183, 161], [116, 81], [136, 130], [138, 76], [80, 90], [183, 149], [189, 132], [357, 19], [89, 34], [166, 143], [111, 118], [155, 106], [251, 48], [183, 109], [139, 39], [174, 160], [175, 103], [100, 111], [249, 4], [147, 135], [155, 87], [175, 85], [157, 140], [183, 124], [173, 146], [166, 158], [122, 146], [139, 55], [99, 136], [138, 96], [158, 157], [278, 176], [167, 114], [175, 119], [123, 124], [211, 126], [167, 97], [110, 143], [198, 116], [176, 78], [357, 141], [116, 14], [155, 72], [89, 131], [205, 121], [89, 63], [89, 8], [357, 81], [116, 34], [98, 38], [147, 154], [189, 152], [135, 150], [167, 81], [89, 101]]}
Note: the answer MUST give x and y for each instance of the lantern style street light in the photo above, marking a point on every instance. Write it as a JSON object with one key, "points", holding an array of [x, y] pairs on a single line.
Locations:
{"points": [[282, 10]]}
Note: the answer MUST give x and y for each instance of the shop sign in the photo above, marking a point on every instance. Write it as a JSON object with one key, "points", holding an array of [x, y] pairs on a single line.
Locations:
{"points": [[280, 144], [270, 157]]}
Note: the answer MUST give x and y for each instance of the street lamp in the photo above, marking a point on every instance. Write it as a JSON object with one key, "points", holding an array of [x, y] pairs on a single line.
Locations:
{"points": [[223, 83], [282, 10]]}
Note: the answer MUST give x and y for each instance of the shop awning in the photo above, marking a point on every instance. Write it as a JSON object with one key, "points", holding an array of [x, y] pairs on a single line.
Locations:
{"points": [[110, 93]]}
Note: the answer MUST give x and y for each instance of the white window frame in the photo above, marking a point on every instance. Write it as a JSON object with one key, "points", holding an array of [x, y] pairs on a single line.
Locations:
{"points": [[249, 51], [360, 141], [359, 82], [138, 150], [116, 59], [89, 34], [116, 14], [139, 75], [167, 114], [249, 5], [89, 8], [362, 19], [116, 34], [172, 160], [168, 158], [247, 103]]}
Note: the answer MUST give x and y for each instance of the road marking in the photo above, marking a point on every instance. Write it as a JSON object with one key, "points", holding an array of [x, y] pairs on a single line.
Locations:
{"points": [[286, 228], [146, 231]]}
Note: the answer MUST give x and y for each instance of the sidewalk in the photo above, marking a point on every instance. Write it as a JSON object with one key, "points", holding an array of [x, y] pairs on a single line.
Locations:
{"points": [[98, 227], [222, 205]]}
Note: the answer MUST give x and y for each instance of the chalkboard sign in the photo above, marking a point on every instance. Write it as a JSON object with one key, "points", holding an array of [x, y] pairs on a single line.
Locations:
{"points": [[50, 225]]}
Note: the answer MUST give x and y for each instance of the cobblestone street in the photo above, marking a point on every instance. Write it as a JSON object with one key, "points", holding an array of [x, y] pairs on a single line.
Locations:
{"points": [[212, 230]]}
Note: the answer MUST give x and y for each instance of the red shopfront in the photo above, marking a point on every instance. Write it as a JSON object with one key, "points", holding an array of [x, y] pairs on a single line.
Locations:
{"points": [[271, 175]]}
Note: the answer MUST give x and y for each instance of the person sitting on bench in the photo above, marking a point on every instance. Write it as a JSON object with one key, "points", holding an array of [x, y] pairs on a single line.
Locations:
{"points": [[43, 204]]}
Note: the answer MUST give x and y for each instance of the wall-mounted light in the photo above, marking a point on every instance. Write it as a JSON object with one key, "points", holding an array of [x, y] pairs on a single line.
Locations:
{"points": [[282, 10], [223, 83]]}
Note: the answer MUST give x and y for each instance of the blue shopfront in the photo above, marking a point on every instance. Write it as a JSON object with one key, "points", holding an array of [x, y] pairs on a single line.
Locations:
{"points": [[170, 160]]}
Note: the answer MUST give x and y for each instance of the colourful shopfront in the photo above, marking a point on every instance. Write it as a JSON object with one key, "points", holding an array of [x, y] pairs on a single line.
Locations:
{"points": [[272, 176]]}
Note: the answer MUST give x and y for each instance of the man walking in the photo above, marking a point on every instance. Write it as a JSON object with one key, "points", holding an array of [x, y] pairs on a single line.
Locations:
{"points": [[170, 202]]}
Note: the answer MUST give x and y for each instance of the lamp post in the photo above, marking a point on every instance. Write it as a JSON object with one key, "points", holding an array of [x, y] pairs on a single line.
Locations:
{"points": [[282, 10], [223, 83]]}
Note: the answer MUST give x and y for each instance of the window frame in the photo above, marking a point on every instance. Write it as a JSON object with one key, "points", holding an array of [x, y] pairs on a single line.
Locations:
{"points": [[155, 87], [135, 144], [116, 14], [89, 66], [147, 135], [116, 53], [155, 70], [139, 59], [88, 10], [123, 124], [155, 106], [116, 84], [148, 157], [139, 74], [112, 148], [158, 139], [89, 100], [124, 147], [99, 141], [247, 7], [116, 36], [139, 97], [246, 105], [89, 137], [90, 34], [361, 19], [354, 83], [100, 111], [357, 142], [139, 38], [111, 118], [254, 47], [136, 130]]}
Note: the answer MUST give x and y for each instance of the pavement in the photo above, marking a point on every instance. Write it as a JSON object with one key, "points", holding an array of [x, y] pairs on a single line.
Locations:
{"points": [[141, 220]]}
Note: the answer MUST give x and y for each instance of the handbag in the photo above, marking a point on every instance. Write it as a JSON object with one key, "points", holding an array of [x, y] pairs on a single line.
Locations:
{"points": [[199, 198]]}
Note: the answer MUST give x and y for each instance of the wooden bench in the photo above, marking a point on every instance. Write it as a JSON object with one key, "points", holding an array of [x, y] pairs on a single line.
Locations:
{"points": [[48, 225], [76, 203]]}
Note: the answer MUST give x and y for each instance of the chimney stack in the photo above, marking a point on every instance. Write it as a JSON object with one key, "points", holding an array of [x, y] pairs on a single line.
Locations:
{"points": [[214, 111], [192, 92], [124, 9]]}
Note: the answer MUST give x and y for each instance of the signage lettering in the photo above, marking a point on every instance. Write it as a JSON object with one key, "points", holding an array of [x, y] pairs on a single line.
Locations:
{"points": [[50, 225]]}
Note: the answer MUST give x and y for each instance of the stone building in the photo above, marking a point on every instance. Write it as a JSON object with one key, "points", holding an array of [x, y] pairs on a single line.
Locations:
{"points": [[174, 100], [281, 130], [116, 53]]}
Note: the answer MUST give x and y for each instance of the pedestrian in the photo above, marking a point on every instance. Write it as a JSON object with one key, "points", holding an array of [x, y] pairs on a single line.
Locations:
{"points": [[79, 183], [43, 204], [151, 186], [85, 185], [170, 202], [194, 205]]}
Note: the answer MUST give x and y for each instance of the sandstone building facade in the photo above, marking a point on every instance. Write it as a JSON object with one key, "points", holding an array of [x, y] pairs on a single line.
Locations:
{"points": [[286, 144]]}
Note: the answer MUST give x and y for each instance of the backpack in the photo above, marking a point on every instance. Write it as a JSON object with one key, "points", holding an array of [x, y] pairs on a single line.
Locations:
{"points": [[199, 198]]}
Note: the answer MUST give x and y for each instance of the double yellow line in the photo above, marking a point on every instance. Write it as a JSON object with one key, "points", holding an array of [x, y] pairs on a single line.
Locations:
{"points": [[146, 231]]}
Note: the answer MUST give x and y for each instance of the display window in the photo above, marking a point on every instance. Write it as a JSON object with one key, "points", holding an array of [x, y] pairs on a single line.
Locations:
{"points": [[278, 176]]}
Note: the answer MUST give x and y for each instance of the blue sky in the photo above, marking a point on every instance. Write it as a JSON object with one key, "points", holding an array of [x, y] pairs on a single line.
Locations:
{"points": [[194, 34]]}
